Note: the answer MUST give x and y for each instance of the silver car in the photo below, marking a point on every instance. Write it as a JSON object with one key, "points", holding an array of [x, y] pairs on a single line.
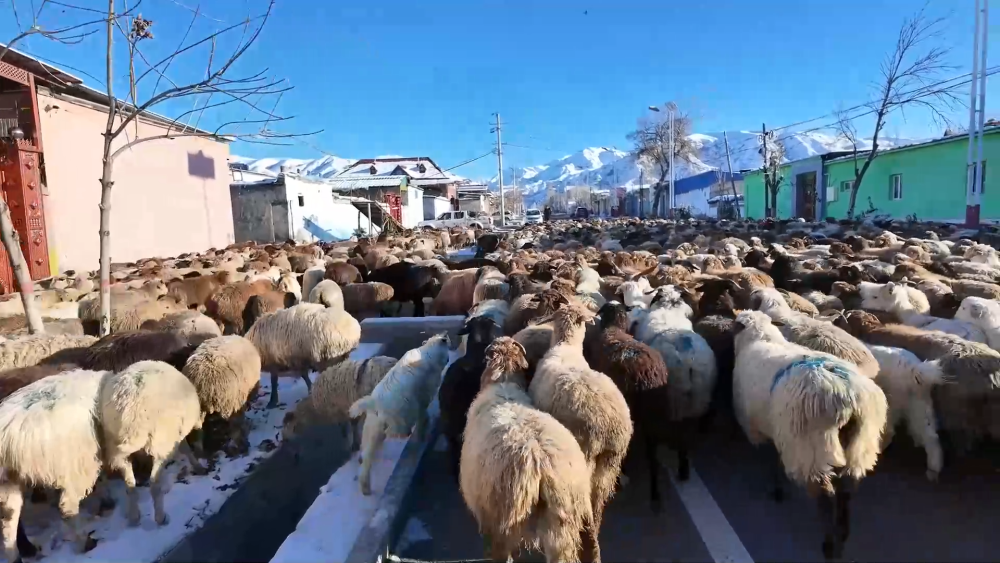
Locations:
{"points": [[533, 217]]}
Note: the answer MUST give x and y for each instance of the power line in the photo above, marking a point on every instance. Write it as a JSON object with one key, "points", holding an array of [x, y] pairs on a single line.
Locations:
{"points": [[470, 161]]}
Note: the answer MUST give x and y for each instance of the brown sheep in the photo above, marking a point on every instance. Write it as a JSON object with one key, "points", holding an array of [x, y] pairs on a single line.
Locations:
{"points": [[13, 379], [118, 351], [196, 291], [228, 304], [267, 302], [342, 273]]}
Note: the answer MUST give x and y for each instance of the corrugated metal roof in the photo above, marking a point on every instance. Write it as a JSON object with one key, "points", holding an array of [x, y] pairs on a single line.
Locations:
{"points": [[361, 183]]}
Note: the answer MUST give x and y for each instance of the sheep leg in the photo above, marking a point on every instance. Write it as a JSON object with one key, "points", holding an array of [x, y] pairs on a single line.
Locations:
{"points": [[843, 486], [305, 377], [777, 470], [69, 508], [11, 501], [922, 426], [24, 546], [827, 514], [655, 501], [421, 427], [273, 401], [156, 489], [118, 460], [196, 467], [418, 306], [372, 437], [455, 453]]}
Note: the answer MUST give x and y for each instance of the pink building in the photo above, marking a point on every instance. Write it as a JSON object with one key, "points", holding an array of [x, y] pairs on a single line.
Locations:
{"points": [[170, 196]]}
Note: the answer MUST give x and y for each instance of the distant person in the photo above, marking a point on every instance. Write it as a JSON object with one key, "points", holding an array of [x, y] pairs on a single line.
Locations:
{"points": [[546, 213]]}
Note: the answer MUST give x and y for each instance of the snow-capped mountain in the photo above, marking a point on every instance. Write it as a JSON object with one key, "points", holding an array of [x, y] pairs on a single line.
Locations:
{"points": [[325, 167], [605, 168]]}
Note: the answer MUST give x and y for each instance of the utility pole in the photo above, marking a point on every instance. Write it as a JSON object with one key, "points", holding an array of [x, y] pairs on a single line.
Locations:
{"points": [[767, 195], [732, 182], [974, 184], [503, 218], [642, 199]]}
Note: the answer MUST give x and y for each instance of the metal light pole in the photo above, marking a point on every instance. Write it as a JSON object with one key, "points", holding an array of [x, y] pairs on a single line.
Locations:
{"points": [[671, 112], [503, 221]]}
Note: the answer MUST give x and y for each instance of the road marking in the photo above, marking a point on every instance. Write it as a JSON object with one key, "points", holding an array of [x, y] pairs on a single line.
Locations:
{"points": [[718, 535]]}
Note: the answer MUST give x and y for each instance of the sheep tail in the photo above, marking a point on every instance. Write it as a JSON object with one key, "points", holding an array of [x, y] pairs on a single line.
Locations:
{"points": [[361, 406], [862, 435], [561, 515], [930, 373]]}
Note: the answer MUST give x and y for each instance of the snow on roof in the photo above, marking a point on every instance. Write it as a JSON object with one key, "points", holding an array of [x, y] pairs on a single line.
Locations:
{"points": [[392, 166], [362, 183]]}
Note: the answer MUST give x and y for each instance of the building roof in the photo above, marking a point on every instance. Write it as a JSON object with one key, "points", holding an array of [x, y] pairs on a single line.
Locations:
{"points": [[703, 181], [60, 82]]}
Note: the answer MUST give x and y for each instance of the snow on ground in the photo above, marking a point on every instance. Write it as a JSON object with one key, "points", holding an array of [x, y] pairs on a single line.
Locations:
{"points": [[329, 528], [190, 499]]}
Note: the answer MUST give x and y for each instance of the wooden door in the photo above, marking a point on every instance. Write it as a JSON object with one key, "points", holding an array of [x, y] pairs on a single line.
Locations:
{"points": [[22, 192]]}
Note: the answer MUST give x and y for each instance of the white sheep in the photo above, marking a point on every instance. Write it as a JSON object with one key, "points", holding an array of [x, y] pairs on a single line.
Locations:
{"points": [[824, 418], [636, 293], [29, 350], [907, 382], [48, 438], [400, 401], [301, 338], [871, 297], [288, 284], [149, 407], [311, 277], [983, 313], [895, 299], [667, 328], [589, 404], [328, 294]]}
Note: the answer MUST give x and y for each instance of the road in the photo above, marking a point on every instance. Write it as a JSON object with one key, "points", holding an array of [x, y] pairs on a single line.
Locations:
{"points": [[724, 512]]}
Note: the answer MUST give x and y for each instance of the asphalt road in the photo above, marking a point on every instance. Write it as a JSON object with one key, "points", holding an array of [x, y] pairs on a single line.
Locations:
{"points": [[724, 512]]}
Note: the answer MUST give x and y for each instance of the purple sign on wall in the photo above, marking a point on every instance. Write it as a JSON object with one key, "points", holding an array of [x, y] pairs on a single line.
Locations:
{"points": [[201, 166]]}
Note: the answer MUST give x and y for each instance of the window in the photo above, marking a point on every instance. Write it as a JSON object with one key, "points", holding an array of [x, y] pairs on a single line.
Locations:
{"points": [[846, 186], [302, 201], [971, 172], [896, 187], [444, 216], [460, 214], [472, 214]]}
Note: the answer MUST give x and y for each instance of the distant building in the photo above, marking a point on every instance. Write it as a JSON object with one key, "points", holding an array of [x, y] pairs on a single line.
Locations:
{"points": [[925, 179], [170, 196], [402, 183]]}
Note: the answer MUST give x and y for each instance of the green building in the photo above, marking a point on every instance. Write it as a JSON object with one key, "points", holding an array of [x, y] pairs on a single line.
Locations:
{"points": [[927, 179]]}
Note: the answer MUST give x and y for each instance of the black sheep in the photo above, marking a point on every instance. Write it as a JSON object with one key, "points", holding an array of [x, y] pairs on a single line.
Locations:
{"points": [[640, 373], [461, 383], [409, 283]]}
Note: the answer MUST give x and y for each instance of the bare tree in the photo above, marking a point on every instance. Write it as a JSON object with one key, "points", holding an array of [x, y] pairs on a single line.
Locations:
{"points": [[249, 90], [67, 34], [772, 151], [651, 147], [909, 79]]}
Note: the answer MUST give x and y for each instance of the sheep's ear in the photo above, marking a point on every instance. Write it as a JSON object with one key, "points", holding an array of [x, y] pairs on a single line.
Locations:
{"points": [[650, 292], [464, 330], [777, 323]]}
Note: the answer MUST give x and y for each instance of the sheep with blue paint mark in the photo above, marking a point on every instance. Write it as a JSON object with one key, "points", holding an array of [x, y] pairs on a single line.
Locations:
{"points": [[824, 417], [666, 327]]}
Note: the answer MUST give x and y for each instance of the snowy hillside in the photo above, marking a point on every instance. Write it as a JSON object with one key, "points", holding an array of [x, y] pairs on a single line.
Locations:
{"points": [[324, 167], [604, 168]]}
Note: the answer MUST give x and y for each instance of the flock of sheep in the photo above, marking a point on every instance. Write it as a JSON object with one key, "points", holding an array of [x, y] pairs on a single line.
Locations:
{"points": [[586, 346]]}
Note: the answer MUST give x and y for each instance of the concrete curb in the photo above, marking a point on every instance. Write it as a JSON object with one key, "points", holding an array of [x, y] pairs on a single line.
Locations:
{"points": [[375, 539]]}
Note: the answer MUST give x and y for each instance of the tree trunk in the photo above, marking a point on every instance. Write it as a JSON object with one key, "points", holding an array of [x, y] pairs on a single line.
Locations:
{"points": [[854, 199], [13, 245], [774, 201], [106, 184], [656, 201]]}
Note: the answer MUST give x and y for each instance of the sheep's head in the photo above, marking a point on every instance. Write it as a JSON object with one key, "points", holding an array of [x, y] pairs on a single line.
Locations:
{"points": [[563, 286], [979, 311], [718, 297], [668, 297], [480, 330], [491, 271], [437, 346], [981, 253], [569, 324], [751, 326], [712, 264], [614, 314], [506, 361], [858, 323]]}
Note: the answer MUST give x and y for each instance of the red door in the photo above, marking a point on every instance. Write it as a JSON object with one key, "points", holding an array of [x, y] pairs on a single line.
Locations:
{"points": [[22, 192], [395, 204]]}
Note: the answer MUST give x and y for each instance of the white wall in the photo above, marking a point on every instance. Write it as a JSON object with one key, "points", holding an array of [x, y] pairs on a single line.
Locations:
{"points": [[336, 216], [413, 210], [435, 206], [697, 200]]}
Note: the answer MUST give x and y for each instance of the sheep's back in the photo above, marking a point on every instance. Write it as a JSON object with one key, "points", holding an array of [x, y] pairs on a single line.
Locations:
{"points": [[48, 434], [824, 337], [224, 370]]}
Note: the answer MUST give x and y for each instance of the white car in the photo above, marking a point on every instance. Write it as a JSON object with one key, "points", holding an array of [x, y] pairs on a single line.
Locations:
{"points": [[463, 219], [533, 217]]}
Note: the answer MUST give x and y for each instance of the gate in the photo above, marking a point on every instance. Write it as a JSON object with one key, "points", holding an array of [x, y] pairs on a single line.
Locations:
{"points": [[20, 174], [395, 204]]}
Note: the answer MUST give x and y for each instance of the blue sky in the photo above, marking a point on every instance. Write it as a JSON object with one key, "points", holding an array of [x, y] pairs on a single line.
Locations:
{"points": [[423, 78]]}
